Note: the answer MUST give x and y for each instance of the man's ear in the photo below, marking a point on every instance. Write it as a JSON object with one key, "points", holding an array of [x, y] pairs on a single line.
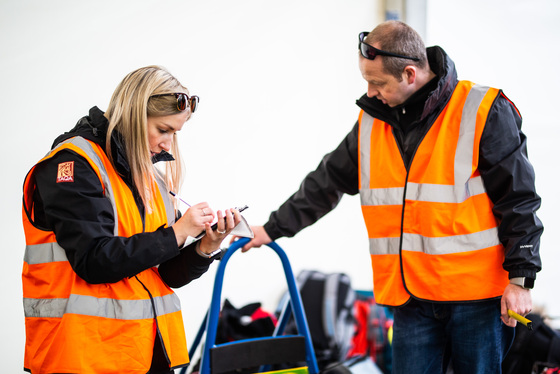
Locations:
{"points": [[409, 74]]}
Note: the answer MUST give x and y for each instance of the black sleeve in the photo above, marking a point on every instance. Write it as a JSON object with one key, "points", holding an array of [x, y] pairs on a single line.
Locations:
{"points": [[82, 220], [184, 268], [509, 179], [321, 190]]}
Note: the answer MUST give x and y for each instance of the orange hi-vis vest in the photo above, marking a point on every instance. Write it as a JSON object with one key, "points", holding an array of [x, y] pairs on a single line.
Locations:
{"points": [[431, 230], [76, 327]]}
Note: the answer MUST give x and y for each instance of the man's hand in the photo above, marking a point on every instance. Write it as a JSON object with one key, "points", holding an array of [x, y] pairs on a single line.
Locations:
{"points": [[261, 237], [517, 299]]}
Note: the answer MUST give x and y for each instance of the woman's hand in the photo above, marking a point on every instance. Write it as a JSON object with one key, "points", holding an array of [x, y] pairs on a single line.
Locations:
{"points": [[214, 238], [193, 222]]}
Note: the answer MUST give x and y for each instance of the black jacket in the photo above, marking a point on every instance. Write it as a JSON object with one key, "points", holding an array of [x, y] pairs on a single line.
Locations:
{"points": [[82, 219], [505, 169]]}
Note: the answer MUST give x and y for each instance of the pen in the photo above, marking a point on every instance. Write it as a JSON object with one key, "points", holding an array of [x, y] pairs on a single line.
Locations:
{"points": [[175, 195], [520, 319]]}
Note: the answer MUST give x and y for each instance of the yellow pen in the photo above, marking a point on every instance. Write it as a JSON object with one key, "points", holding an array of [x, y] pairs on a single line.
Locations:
{"points": [[520, 319]]}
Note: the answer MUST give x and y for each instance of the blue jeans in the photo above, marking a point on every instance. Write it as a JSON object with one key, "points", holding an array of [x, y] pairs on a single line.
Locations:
{"points": [[426, 336]]}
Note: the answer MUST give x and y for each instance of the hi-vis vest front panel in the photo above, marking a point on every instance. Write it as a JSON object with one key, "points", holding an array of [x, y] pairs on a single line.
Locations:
{"points": [[76, 327], [432, 233]]}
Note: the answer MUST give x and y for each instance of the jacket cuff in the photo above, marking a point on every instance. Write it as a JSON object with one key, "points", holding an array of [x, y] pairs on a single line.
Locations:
{"points": [[272, 232], [526, 273], [168, 238]]}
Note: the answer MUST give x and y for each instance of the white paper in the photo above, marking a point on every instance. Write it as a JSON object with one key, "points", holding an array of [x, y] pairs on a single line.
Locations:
{"points": [[243, 229]]}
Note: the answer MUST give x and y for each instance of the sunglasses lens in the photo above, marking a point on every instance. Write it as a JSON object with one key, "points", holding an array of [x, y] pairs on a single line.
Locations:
{"points": [[367, 51], [194, 103], [181, 101]]}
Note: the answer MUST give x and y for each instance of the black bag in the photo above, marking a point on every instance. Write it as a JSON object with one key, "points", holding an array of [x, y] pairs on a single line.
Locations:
{"points": [[249, 321], [540, 345], [328, 300]]}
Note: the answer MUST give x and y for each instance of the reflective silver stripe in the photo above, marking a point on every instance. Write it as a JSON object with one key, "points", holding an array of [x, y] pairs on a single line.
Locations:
{"points": [[101, 307], [440, 193], [167, 304], [365, 149], [44, 308], [384, 246], [90, 152], [451, 244], [465, 144], [166, 196], [44, 253], [435, 246], [382, 196], [437, 193]]}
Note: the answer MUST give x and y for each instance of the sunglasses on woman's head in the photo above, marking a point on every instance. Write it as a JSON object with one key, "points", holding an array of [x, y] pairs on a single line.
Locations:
{"points": [[182, 100], [370, 52]]}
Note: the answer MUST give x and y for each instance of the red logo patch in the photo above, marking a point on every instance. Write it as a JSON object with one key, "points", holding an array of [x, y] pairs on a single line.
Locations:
{"points": [[65, 172]]}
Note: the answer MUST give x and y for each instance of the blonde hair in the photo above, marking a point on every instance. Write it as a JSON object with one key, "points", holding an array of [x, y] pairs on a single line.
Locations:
{"points": [[130, 106]]}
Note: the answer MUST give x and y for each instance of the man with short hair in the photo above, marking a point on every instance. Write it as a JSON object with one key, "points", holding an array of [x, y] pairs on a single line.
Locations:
{"points": [[448, 198]]}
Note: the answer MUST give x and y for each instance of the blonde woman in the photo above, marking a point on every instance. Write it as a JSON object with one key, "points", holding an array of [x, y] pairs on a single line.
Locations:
{"points": [[105, 242]]}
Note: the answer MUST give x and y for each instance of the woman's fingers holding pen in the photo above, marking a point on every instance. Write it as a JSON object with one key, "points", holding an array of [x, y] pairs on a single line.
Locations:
{"points": [[201, 213], [193, 221]]}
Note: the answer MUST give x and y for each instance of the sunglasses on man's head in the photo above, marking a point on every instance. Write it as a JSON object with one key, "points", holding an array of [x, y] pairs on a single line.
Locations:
{"points": [[182, 100], [370, 52]]}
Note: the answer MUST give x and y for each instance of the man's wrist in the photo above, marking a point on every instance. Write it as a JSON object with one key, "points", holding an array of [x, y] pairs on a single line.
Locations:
{"points": [[525, 282], [271, 231]]}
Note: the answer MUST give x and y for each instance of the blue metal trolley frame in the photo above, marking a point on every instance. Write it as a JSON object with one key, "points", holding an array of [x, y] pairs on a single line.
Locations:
{"points": [[210, 323]]}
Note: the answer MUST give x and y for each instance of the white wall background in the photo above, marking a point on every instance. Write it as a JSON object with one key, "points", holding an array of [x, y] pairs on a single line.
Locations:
{"points": [[277, 81]]}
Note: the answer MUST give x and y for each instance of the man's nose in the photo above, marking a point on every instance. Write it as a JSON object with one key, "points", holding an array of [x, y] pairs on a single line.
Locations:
{"points": [[371, 91]]}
